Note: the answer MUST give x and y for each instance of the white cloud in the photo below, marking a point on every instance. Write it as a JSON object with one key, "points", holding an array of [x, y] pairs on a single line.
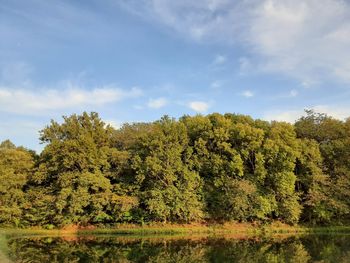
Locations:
{"points": [[29, 101], [307, 40], [219, 60], [293, 93], [292, 39], [247, 94], [157, 103], [115, 124], [288, 115], [192, 18], [216, 84], [285, 95], [199, 106], [338, 112], [308, 83]]}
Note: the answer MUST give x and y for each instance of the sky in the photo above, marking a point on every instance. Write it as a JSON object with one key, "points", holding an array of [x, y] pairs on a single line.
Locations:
{"points": [[137, 60]]}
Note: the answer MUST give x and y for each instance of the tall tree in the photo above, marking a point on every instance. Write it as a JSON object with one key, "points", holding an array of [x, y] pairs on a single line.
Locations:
{"points": [[281, 151], [333, 138], [16, 164], [73, 166], [170, 188]]}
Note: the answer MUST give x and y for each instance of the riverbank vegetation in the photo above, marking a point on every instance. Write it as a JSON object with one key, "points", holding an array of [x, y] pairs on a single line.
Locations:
{"points": [[303, 249], [231, 229], [214, 168]]}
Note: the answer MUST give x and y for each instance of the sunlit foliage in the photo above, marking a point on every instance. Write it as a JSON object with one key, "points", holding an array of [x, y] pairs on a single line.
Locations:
{"points": [[198, 168]]}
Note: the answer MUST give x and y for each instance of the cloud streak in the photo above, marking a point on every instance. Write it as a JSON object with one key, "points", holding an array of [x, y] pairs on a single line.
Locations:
{"points": [[281, 36], [247, 94], [219, 60], [336, 111], [29, 101], [157, 103], [199, 106]]}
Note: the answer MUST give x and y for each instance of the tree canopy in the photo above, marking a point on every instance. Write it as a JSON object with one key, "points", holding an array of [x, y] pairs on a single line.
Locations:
{"points": [[194, 169]]}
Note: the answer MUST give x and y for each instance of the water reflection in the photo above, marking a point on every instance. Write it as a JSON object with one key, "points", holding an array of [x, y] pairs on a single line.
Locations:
{"points": [[315, 248]]}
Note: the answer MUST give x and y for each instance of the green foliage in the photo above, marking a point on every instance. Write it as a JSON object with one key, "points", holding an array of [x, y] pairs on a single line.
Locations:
{"points": [[215, 167], [15, 166], [331, 198], [75, 166], [281, 150], [170, 188]]}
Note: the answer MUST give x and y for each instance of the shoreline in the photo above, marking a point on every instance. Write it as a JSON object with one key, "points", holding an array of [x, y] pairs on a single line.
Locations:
{"points": [[183, 229]]}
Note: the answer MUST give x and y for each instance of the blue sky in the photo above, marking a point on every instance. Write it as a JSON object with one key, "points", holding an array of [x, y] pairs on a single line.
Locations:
{"points": [[136, 60]]}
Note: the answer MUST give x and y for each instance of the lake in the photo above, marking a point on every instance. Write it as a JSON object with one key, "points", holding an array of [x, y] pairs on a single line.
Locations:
{"points": [[196, 248]]}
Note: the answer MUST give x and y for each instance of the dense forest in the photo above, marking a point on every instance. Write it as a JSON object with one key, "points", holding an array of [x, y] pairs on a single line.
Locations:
{"points": [[212, 168]]}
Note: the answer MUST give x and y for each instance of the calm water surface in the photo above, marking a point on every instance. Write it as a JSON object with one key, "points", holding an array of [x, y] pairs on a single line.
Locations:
{"points": [[95, 248]]}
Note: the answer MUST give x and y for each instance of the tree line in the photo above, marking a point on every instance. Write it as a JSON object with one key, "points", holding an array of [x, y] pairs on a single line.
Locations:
{"points": [[212, 168]]}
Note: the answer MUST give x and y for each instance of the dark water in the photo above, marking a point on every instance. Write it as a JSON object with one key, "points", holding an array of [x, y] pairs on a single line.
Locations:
{"points": [[314, 248]]}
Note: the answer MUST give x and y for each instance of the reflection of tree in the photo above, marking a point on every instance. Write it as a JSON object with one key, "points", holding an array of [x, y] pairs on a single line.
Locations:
{"points": [[328, 248], [290, 250], [119, 249], [3, 249]]}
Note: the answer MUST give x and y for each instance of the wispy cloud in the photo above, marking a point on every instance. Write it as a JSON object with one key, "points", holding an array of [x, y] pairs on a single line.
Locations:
{"points": [[247, 94], [199, 106], [216, 84], [113, 123], [287, 115], [283, 95], [197, 19], [219, 60], [290, 38], [30, 101], [293, 93], [338, 112], [281, 36], [157, 103]]}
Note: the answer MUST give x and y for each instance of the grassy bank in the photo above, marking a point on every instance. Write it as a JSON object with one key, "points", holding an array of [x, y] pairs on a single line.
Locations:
{"points": [[184, 229]]}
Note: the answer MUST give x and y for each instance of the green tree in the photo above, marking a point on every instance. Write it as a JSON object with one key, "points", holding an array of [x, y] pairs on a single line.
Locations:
{"points": [[16, 164], [281, 151], [74, 167], [333, 138], [228, 155], [312, 184], [170, 188]]}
